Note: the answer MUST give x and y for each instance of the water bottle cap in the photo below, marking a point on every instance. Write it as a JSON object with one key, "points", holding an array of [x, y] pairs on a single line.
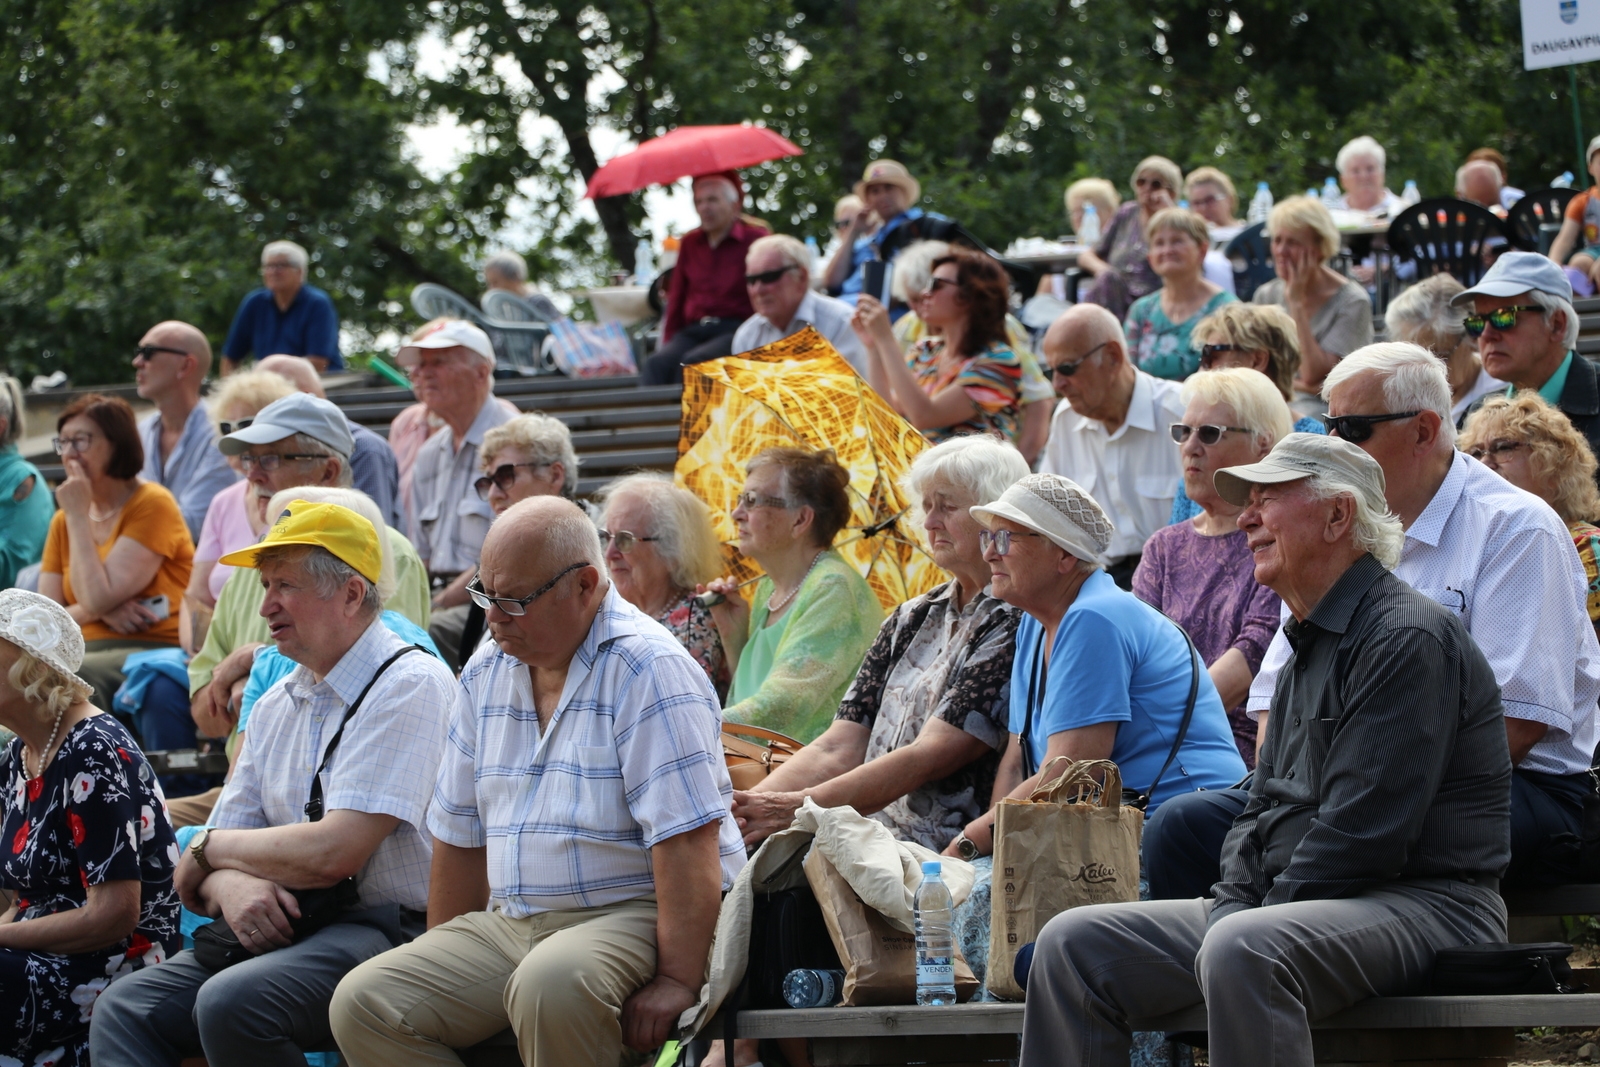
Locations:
{"points": [[1090, 209], [932, 867], [1261, 185]]}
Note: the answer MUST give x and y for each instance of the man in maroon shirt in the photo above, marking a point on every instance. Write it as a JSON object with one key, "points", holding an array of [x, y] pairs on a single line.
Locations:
{"points": [[706, 301]]}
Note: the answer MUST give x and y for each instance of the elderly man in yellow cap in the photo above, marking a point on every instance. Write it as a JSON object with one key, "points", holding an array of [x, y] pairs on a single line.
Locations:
{"points": [[317, 857]]}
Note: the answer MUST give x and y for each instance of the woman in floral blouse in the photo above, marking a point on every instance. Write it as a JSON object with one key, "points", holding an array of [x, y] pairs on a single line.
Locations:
{"points": [[659, 545], [85, 846], [1159, 325]]}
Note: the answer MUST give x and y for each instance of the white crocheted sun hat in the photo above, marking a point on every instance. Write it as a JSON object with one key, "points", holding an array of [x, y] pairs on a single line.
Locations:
{"points": [[42, 628], [1056, 507]]}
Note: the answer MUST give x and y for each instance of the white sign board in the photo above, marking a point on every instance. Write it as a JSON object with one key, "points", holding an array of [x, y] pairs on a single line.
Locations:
{"points": [[1556, 33]]}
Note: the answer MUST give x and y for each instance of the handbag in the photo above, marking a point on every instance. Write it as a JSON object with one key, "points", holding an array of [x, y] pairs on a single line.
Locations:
{"points": [[217, 947], [749, 761], [1503, 970]]}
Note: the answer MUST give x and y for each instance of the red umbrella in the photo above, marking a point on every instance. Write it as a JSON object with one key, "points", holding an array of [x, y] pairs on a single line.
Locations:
{"points": [[689, 151]]}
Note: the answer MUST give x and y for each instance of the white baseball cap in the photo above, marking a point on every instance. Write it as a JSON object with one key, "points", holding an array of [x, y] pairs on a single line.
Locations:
{"points": [[452, 333], [1304, 455]]}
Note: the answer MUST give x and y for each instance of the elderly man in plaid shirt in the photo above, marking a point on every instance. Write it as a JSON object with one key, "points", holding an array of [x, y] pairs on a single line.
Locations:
{"points": [[581, 826]]}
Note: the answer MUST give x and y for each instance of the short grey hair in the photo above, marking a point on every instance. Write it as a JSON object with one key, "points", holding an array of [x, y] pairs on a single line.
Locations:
{"points": [[730, 191], [913, 268], [11, 410], [680, 523], [362, 505], [509, 264], [794, 253], [1426, 306], [327, 573], [543, 438], [981, 465], [1361, 146], [1377, 532], [1413, 379], [1552, 304], [307, 445], [296, 254]]}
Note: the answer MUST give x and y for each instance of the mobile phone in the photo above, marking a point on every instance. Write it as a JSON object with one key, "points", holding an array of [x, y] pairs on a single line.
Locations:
{"points": [[157, 606], [876, 276]]}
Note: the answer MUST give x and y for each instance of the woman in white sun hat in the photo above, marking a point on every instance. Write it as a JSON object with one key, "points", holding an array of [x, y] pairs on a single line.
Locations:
{"points": [[86, 850]]}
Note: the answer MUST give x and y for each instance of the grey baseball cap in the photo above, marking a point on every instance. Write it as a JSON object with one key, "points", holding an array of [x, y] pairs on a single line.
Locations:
{"points": [[295, 413], [1519, 272], [1302, 455]]}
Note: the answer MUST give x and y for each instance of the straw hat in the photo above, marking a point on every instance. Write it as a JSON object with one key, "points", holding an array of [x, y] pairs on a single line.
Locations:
{"points": [[889, 172]]}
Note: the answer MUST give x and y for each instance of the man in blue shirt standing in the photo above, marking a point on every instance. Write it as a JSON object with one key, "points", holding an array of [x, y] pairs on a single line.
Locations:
{"points": [[286, 317]]}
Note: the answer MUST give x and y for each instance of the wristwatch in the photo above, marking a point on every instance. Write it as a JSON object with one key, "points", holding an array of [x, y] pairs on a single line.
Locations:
{"points": [[965, 848], [197, 849]]}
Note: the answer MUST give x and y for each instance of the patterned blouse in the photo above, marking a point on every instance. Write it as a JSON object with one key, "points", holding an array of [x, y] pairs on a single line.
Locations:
{"points": [[931, 661], [1162, 347], [992, 379], [690, 622], [96, 815], [1587, 539]]}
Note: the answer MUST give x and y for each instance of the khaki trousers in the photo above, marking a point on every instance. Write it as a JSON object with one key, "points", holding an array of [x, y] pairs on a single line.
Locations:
{"points": [[558, 979]]}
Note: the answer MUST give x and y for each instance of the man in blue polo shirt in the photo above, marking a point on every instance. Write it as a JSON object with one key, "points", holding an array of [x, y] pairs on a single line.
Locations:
{"points": [[286, 317]]}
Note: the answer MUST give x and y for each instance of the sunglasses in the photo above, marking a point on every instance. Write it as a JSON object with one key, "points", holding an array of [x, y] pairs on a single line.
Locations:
{"points": [[750, 501], [1502, 319], [768, 277], [1209, 353], [1357, 428], [624, 538], [230, 427], [511, 605], [149, 352], [1496, 450], [1209, 435], [502, 476], [935, 284], [1067, 369], [1000, 540]]}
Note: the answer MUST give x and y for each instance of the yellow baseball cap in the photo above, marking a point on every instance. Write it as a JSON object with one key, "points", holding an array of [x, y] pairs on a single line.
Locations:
{"points": [[339, 530]]}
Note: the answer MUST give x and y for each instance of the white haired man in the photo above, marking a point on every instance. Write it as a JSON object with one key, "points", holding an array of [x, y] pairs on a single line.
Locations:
{"points": [[1522, 315], [508, 272], [286, 315], [180, 442], [1497, 558], [582, 839], [329, 793], [1478, 182], [777, 275], [1111, 435], [706, 299], [1376, 826]]}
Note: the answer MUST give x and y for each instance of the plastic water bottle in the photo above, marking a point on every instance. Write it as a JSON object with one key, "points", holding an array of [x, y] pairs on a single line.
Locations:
{"points": [[815, 250], [1089, 228], [644, 267], [1410, 194], [1260, 204], [1563, 182], [936, 971], [806, 988], [1330, 190]]}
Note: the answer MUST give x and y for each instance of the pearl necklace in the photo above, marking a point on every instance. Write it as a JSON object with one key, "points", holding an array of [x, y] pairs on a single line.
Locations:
{"points": [[48, 745], [773, 609]]}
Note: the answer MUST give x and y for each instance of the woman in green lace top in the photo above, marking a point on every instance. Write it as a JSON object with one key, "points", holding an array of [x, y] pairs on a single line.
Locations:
{"points": [[797, 645]]}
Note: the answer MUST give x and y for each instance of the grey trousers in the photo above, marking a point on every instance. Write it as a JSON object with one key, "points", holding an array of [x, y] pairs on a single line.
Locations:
{"points": [[261, 1013], [1264, 975]]}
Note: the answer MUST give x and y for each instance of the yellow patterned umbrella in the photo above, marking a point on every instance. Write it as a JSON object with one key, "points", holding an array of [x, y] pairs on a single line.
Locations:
{"points": [[799, 392]]}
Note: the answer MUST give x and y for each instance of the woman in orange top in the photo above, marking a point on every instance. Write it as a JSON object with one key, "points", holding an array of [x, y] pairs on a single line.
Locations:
{"points": [[118, 554]]}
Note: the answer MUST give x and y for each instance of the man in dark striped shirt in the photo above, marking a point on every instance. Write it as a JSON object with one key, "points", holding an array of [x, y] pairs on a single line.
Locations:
{"points": [[1378, 822]]}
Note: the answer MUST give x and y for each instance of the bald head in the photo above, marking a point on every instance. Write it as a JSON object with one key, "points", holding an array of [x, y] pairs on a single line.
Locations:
{"points": [[550, 529], [1089, 342], [1479, 181], [1082, 327], [175, 334], [178, 361], [301, 374], [543, 548]]}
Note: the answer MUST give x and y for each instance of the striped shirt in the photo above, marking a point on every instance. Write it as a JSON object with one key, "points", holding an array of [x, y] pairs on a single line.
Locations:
{"points": [[992, 380], [385, 764], [1501, 561], [631, 756]]}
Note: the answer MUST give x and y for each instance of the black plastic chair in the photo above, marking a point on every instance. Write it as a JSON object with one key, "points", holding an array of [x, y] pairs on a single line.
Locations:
{"points": [[1448, 236], [1535, 220], [1251, 255]]}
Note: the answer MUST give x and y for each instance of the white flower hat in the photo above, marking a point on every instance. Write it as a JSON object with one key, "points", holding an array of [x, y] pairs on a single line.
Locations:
{"points": [[42, 628]]}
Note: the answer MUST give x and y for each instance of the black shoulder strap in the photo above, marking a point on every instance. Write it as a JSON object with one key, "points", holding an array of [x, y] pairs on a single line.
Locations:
{"points": [[1188, 714], [314, 805]]}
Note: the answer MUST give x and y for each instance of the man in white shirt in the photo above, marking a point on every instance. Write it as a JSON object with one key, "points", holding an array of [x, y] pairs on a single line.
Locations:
{"points": [[1113, 435], [777, 275], [1500, 560]]}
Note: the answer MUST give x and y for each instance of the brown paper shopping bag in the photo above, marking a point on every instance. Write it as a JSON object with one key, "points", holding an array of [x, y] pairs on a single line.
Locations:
{"points": [[880, 960], [1072, 842]]}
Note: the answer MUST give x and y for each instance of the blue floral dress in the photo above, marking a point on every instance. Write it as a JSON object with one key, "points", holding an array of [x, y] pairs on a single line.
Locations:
{"points": [[96, 815]]}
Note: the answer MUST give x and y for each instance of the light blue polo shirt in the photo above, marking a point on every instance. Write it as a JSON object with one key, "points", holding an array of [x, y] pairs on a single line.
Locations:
{"points": [[1117, 659]]}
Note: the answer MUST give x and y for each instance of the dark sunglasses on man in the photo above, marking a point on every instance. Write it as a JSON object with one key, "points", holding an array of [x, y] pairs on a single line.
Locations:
{"points": [[149, 352], [768, 277], [1357, 428], [1066, 368], [1209, 435], [1502, 319], [503, 476]]}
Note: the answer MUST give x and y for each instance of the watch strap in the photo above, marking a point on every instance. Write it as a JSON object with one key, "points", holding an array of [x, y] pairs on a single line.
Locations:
{"points": [[197, 849]]}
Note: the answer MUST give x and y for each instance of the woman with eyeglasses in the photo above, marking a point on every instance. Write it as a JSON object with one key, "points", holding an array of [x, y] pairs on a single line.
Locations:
{"points": [[25, 503], [232, 521], [1120, 263], [660, 546], [1200, 573], [118, 554], [1159, 325], [797, 644], [1532, 445], [965, 377]]}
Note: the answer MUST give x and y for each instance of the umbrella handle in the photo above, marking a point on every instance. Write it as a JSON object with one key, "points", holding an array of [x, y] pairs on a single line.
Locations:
{"points": [[712, 599]]}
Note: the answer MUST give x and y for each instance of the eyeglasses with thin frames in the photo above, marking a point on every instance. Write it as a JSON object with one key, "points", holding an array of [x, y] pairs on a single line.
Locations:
{"points": [[1495, 450], [503, 476], [273, 460], [511, 605], [1066, 369], [751, 500], [625, 539], [1209, 435], [1000, 540]]}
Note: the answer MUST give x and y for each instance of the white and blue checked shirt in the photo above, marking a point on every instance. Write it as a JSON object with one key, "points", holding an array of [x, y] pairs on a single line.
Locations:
{"points": [[1502, 561], [631, 757], [385, 764]]}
